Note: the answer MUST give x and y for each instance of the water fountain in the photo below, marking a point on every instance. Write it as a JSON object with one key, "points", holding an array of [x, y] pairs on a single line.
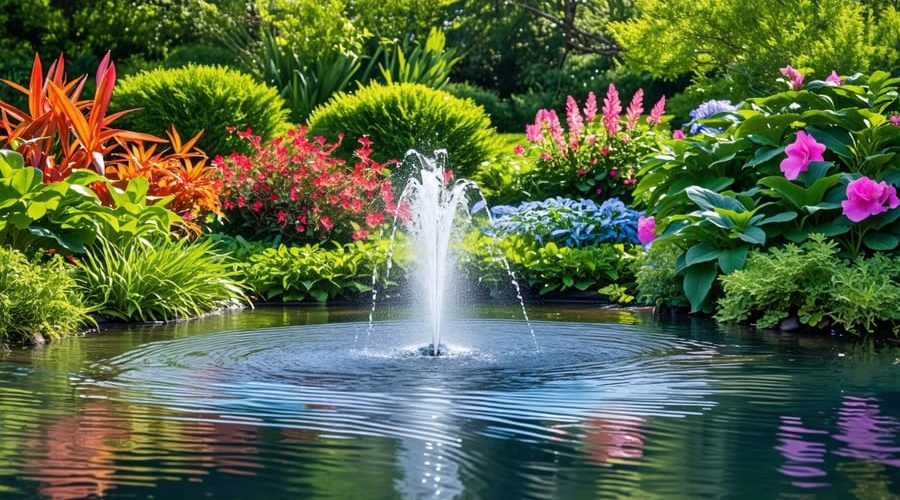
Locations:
{"points": [[430, 206]]}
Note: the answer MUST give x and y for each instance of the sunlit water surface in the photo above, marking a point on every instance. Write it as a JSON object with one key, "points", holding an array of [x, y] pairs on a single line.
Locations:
{"points": [[302, 402]]}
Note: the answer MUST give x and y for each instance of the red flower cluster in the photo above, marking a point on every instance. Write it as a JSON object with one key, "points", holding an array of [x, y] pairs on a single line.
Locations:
{"points": [[294, 187]]}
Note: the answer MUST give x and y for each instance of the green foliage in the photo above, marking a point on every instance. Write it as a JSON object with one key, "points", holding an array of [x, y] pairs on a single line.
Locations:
{"points": [[317, 272], [314, 28], [398, 18], [500, 110], [812, 282], [158, 280], [546, 267], [658, 283], [408, 116], [506, 179], [669, 38], [426, 64], [195, 98], [200, 54], [743, 197], [66, 215], [38, 300]]}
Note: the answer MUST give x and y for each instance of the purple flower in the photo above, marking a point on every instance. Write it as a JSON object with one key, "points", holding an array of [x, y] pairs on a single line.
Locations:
{"points": [[796, 78], [678, 134], [646, 230], [800, 154], [866, 197], [706, 110], [834, 78]]}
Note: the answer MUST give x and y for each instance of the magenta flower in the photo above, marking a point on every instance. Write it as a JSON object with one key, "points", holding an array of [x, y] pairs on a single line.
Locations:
{"points": [[803, 151], [573, 117], [646, 230], [612, 108], [796, 78], [635, 108], [834, 78], [866, 197], [590, 107], [678, 134], [656, 113], [895, 119], [519, 150]]}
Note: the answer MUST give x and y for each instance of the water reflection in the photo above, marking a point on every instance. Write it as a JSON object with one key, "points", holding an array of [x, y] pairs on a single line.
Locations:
{"points": [[687, 411]]}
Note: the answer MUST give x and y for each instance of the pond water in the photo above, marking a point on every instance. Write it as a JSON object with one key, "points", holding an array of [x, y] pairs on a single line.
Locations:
{"points": [[302, 402]]}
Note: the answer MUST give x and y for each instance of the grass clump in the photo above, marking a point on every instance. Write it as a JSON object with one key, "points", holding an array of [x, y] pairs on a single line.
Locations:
{"points": [[38, 300]]}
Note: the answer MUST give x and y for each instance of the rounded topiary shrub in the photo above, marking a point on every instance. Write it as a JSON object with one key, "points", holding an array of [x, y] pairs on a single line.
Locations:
{"points": [[407, 116], [194, 98]]}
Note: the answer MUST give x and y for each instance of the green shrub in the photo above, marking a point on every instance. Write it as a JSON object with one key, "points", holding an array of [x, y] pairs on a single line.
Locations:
{"points": [[658, 283], [38, 300], [194, 98], [316, 272], [208, 55], [812, 282], [164, 280], [407, 116], [546, 268]]}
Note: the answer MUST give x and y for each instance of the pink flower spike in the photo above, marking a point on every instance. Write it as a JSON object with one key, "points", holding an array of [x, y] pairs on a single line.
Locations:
{"points": [[834, 78], [519, 150], [635, 108], [573, 117], [657, 112], [646, 230], [796, 78], [612, 108], [895, 119], [803, 151], [590, 107], [678, 134], [866, 197]]}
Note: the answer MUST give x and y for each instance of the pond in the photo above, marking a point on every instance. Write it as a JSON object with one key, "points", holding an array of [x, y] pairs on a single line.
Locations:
{"points": [[305, 401]]}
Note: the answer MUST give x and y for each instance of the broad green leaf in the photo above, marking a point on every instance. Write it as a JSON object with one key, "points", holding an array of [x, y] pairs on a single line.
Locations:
{"points": [[733, 259], [698, 280], [882, 242], [710, 200], [701, 252], [753, 235], [26, 179]]}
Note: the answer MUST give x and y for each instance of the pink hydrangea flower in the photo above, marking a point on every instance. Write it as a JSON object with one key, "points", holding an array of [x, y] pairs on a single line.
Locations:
{"points": [[678, 134], [795, 77], [834, 78], [866, 197], [646, 230], [800, 154]]}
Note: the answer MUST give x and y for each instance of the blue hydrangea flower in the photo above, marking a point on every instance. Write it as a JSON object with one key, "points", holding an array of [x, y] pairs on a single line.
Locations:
{"points": [[706, 110], [570, 222]]}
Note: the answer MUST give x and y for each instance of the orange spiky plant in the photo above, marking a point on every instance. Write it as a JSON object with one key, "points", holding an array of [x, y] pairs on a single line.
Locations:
{"points": [[60, 132]]}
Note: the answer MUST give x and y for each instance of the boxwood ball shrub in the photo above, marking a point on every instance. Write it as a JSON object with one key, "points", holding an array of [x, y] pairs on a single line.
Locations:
{"points": [[194, 98], [407, 116]]}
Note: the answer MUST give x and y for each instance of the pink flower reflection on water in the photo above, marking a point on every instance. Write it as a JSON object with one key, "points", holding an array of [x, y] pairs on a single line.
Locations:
{"points": [[802, 451], [862, 431], [866, 433]]}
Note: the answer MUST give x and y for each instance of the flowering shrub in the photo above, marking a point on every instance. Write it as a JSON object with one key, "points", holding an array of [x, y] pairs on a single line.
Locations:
{"points": [[598, 155], [574, 223], [819, 160], [294, 187]]}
